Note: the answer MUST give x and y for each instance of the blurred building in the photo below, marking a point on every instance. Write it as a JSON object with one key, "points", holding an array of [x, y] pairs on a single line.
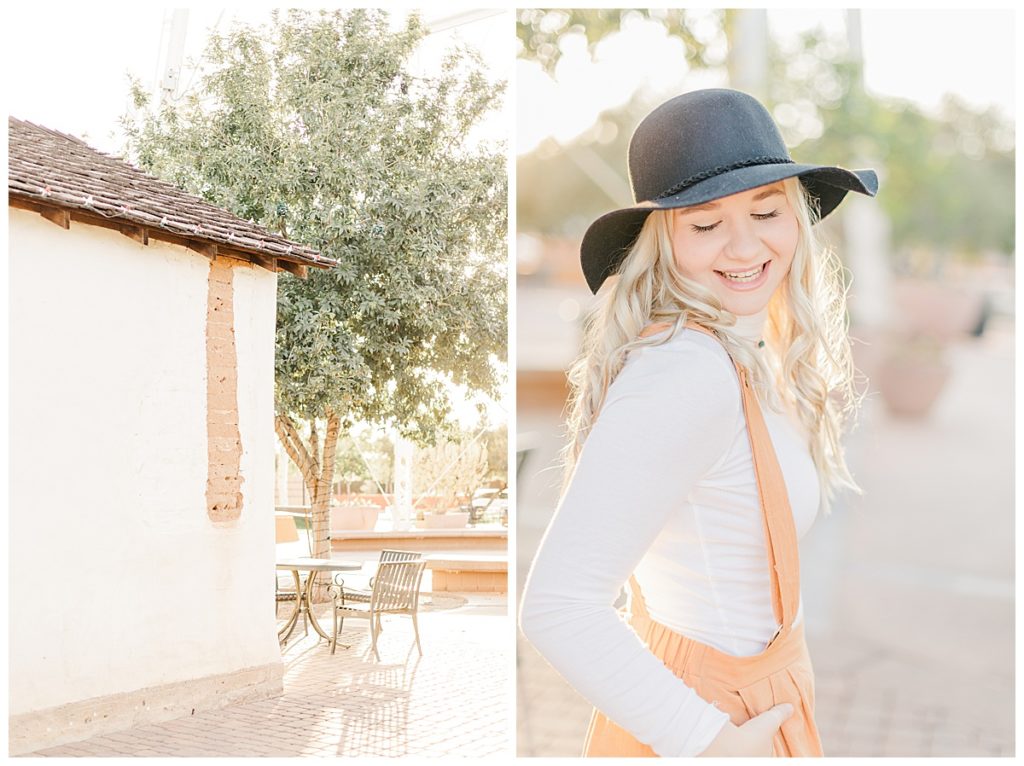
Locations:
{"points": [[552, 301]]}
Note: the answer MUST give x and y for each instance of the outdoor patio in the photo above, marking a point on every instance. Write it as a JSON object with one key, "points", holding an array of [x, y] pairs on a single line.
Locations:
{"points": [[452, 701]]}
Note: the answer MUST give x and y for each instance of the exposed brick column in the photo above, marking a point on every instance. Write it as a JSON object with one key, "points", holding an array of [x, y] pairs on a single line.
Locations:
{"points": [[224, 442]]}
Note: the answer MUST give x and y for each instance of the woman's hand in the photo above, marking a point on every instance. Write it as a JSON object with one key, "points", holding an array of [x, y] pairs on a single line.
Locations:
{"points": [[751, 738]]}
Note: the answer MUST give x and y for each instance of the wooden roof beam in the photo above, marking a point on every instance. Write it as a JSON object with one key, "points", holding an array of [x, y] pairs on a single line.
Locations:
{"points": [[64, 216], [294, 268], [139, 233], [270, 264], [60, 216], [206, 248]]}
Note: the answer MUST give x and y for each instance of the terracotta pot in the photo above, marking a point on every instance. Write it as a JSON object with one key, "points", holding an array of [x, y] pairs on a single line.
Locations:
{"points": [[450, 520], [910, 386], [940, 310], [357, 517]]}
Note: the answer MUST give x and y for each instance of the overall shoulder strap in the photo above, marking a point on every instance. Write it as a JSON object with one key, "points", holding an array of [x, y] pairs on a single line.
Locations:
{"points": [[780, 530]]}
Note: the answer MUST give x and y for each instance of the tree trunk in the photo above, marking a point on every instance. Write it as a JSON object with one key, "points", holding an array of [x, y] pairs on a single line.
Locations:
{"points": [[317, 475]]}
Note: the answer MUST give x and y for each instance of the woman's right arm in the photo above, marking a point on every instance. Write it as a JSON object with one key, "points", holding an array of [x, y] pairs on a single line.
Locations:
{"points": [[668, 417]]}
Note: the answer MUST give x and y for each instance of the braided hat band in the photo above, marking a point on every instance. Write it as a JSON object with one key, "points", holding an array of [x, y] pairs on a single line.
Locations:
{"points": [[719, 169]]}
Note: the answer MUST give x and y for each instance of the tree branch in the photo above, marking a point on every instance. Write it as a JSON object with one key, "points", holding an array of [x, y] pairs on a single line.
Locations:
{"points": [[296, 450]]}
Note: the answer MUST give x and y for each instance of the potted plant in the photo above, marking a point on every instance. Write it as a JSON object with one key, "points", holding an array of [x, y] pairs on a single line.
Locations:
{"points": [[943, 310], [912, 374], [446, 519], [354, 515]]}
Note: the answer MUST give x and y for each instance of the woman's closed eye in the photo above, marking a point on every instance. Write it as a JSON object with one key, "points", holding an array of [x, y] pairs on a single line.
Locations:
{"points": [[756, 216]]}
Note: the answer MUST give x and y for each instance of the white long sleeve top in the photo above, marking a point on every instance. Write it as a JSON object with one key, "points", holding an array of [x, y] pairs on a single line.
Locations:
{"points": [[664, 487]]}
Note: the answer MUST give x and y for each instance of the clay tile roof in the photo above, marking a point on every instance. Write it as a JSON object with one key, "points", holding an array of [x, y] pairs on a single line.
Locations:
{"points": [[60, 171]]}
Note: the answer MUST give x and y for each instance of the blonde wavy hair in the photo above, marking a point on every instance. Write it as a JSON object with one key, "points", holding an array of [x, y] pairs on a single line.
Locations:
{"points": [[810, 366]]}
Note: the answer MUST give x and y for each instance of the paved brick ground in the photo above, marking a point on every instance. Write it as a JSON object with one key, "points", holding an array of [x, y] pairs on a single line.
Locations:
{"points": [[908, 591], [452, 701]]}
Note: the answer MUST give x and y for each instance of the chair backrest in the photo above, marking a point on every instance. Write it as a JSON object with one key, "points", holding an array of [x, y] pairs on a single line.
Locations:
{"points": [[392, 555], [397, 585]]}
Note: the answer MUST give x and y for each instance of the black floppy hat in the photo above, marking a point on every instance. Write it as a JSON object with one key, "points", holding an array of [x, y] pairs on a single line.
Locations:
{"points": [[698, 147]]}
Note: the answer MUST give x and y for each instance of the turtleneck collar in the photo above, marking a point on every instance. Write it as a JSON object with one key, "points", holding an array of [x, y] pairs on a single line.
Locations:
{"points": [[751, 327]]}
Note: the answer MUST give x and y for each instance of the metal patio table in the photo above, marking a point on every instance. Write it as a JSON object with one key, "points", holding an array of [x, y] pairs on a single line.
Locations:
{"points": [[303, 599]]}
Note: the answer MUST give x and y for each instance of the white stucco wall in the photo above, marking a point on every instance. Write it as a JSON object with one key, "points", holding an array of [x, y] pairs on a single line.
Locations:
{"points": [[118, 579]]}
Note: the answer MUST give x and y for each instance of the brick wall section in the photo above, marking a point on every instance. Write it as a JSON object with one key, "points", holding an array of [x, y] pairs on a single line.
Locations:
{"points": [[224, 442]]}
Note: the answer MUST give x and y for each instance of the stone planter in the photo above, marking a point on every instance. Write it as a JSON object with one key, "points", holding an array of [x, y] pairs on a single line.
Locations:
{"points": [[910, 386], [354, 517], [450, 520]]}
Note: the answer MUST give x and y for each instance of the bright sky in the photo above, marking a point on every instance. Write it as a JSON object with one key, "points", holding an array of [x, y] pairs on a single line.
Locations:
{"points": [[73, 66], [918, 55], [72, 69]]}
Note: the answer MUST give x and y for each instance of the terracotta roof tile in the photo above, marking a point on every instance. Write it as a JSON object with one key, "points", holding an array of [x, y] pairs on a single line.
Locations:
{"points": [[51, 168]]}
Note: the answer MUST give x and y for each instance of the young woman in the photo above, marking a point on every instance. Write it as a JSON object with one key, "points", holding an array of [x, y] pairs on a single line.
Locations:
{"points": [[705, 430]]}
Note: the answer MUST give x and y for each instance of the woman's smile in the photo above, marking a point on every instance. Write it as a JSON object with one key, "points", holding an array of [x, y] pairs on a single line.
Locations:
{"points": [[750, 279]]}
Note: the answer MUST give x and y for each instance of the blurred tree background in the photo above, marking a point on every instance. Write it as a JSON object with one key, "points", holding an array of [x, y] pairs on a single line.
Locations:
{"points": [[541, 31], [452, 469], [947, 178], [365, 460], [364, 463]]}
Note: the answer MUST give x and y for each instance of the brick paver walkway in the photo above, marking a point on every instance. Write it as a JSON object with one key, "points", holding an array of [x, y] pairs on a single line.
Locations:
{"points": [[452, 701]]}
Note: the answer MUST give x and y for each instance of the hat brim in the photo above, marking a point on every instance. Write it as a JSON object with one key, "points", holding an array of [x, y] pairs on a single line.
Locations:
{"points": [[609, 238]]}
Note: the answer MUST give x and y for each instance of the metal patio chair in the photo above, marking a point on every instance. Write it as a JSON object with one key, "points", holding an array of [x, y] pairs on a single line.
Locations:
{"points": [[349, 594], [396, 590]]}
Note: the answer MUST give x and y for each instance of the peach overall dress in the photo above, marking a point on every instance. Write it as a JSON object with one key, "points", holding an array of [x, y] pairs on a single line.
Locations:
{"points": [[743, 687]]}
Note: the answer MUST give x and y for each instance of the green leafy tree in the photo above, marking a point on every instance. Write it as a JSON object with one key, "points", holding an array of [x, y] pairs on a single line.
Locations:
{"points": [[541, 30], [315, 126], [364, 460], [349, 466], [496, 440]]}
